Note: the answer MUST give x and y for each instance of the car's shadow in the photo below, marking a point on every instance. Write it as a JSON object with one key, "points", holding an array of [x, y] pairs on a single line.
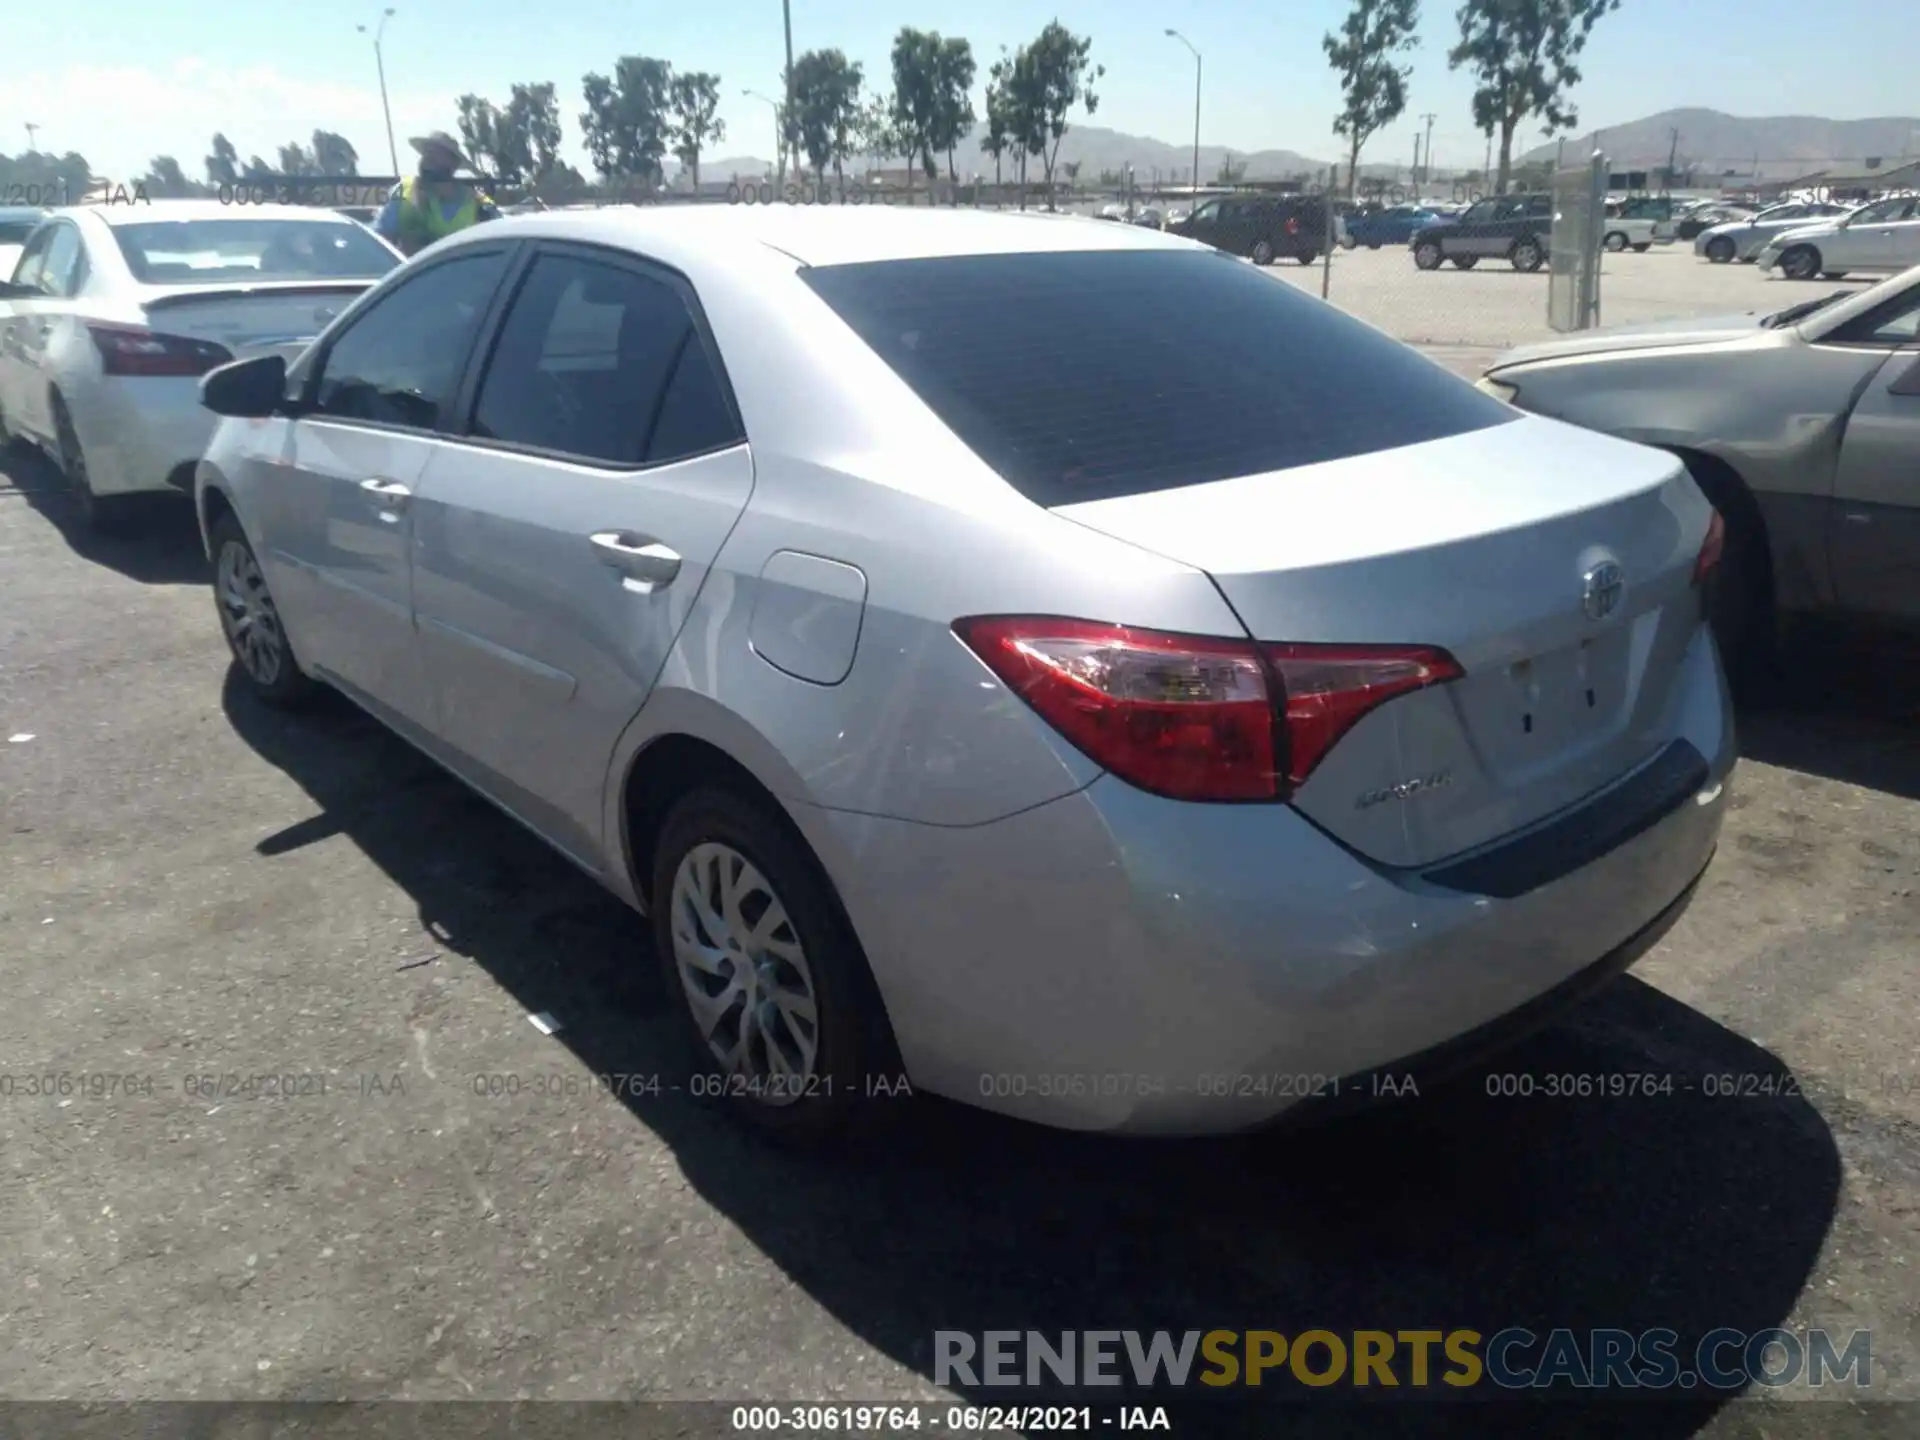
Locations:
{"points": [[1663, 1210], [159, 546], [1845, 705]]}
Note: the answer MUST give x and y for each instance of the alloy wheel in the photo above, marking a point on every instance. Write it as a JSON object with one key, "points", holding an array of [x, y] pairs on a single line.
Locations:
{"points": [[248, 615], [745, 972]]}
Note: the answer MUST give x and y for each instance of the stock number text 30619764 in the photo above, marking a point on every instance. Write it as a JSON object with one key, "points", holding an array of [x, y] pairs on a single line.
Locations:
{"points": [[765, 192]]}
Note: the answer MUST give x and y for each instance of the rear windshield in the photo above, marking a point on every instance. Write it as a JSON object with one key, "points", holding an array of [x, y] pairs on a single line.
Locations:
{"points": [[1085, 375], [192, 252], [15, 232]]}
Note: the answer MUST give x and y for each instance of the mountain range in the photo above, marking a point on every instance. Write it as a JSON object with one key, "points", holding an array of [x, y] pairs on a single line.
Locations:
{"points": [[1785, 146]]}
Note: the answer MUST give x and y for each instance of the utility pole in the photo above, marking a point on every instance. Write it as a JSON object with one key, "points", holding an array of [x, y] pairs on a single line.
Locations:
{"points": [[1195, 50], [380, 66], [1427, 154], [1673, 154], [1416, 166], [1486, 170], [786, 116]]}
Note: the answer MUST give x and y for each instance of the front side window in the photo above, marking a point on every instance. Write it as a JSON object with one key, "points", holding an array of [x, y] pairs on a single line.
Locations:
{"points": [[34, 258], [62, 268], [400, 362], [1482, 211]]}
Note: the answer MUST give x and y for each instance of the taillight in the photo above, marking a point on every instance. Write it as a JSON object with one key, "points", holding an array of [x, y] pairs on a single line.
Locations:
{"points": [[1711, 549], [1195, 717], [1293, 226], [131, 350]]}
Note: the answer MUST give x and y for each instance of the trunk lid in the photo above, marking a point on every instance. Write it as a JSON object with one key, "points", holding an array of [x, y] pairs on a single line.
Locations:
{"points": [[252, 318], [1481, 544]]}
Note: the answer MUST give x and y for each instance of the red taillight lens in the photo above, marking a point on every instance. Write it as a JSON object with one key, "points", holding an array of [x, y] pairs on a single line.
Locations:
{"points": [[1293, 226], [1329, 687], [129, 350], [1195, 717], [1711, 549]]}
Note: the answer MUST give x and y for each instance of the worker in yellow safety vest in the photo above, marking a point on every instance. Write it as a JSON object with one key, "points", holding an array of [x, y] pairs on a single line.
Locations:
{"points": [[432, 204]]}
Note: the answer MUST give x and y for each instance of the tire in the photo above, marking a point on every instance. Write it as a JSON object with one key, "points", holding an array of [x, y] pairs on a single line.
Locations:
{"points": [[1262, 252], [1615, 241], [1373, 245], [1307, 257], [1427, 255], [716, 836], [101, 514], [250, 620], [1802, 262], [1833, 274], [1642, 249], [1465, 262], [1526, 255]]}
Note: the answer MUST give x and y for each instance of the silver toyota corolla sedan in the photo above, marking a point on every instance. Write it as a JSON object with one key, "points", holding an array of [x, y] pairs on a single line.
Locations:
{"points": [[1050, 661], [1801, 424]]}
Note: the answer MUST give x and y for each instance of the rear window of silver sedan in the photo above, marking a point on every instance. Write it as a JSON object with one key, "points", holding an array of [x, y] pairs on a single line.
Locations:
{"points": [[1082, 375]]}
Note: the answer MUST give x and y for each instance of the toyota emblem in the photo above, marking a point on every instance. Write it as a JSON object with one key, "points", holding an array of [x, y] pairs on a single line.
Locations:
{"points": [[1601, 589]]}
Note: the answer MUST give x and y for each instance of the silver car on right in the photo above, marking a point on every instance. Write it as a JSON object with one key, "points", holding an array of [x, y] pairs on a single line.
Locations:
{"points": [[1801, 425], [1743, 240]]}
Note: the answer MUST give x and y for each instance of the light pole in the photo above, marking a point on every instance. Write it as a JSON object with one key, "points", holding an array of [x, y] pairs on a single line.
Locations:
{"points": [[380, 64], [1175, 34], [785, 116], [779, 135]]}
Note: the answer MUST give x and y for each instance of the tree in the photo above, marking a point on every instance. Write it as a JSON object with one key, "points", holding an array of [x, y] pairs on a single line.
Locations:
{"points": [[296, 159], [953, 116], [479, 126], [998, 137], [1522, 55], [626, 122], [827, 115], [876, 135], [334, 154], [1072, 167], [694, 98], [165, 180], [66, 179], [1019, 102], [223, 165], [1373, 88], [1058, 75], [916, 83], [257, 169]]}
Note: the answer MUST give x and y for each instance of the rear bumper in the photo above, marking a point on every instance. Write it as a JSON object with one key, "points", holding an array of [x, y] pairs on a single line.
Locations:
{"points": [[1114, 961], [138, 431]]}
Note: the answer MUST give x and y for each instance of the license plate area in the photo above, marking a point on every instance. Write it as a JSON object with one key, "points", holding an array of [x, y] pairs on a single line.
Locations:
{"points": [[1559, 697]]}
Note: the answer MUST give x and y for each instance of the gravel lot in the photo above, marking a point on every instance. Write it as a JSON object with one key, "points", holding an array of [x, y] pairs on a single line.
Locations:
{"points": [[195, 886]]}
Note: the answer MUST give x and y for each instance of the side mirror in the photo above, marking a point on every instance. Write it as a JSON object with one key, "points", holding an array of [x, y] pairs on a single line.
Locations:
{"points": [[246, 389]]}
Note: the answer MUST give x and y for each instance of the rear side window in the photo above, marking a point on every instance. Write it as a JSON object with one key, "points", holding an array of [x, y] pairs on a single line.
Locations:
{"points": [[1085, 375]]}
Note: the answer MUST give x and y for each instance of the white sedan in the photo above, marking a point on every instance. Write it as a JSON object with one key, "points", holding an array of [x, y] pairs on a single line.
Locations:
{"points": [[1882, 237], [114, 312]]}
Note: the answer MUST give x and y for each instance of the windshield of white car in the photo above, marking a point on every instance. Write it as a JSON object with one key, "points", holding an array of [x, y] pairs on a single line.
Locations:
{"points": [[1794, 314], [1092, 374], [190, 252]]}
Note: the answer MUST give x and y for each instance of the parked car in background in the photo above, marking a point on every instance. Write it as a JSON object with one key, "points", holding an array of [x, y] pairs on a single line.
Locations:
{"points": [[1705, 217], [1801, 425], [1515, 228], [360, 214], [1881, 236], [790, 609], [17, 222], [113, 313], [1151, 218], [1745, 239], [1639, 222], [1264, 228], [1391, 225]]}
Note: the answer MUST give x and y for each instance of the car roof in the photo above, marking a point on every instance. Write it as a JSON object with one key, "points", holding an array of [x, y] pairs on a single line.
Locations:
{"points": [[696, 236], [148, 212]]}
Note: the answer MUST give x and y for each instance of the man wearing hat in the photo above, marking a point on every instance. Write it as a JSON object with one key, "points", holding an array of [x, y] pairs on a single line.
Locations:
{"points": [[432, 205]]}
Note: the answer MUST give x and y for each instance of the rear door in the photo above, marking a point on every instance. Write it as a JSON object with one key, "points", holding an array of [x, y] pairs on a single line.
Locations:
{"points": [[562, 540], [333, 491], [48, 265]]}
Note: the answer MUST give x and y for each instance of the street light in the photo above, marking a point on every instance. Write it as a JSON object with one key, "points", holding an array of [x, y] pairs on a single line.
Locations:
{"points": [[779, 134], [380, 63], [1175, 34]]}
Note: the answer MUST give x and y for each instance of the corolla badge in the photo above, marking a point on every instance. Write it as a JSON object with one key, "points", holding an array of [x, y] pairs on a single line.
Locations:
{"points": [[1601, 589], [1404, 790]]}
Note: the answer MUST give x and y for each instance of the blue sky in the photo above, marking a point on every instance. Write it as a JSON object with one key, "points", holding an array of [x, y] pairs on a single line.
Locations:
{"points": [[124, 80]]}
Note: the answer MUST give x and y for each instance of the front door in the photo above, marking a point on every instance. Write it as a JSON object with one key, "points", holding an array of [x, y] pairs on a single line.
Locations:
{"points": [[1479, 232], [562, 541], [337, 485], [1876, 532]]}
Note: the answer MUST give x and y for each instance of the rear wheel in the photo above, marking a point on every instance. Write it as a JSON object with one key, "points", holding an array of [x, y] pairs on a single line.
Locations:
{"points": [[1642, 249], [251, 621], [102, 514], [1616, 241], [1427, 255], [1833, 274], [1527, 255], [1262, 252], [1802, 262], [781, 1013], [1465, 262], [1307, 257], [1373, 245]]}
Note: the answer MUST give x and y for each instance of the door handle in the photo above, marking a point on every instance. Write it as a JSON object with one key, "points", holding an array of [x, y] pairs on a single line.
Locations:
{"points": [[391, 494], [644, 564]]}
